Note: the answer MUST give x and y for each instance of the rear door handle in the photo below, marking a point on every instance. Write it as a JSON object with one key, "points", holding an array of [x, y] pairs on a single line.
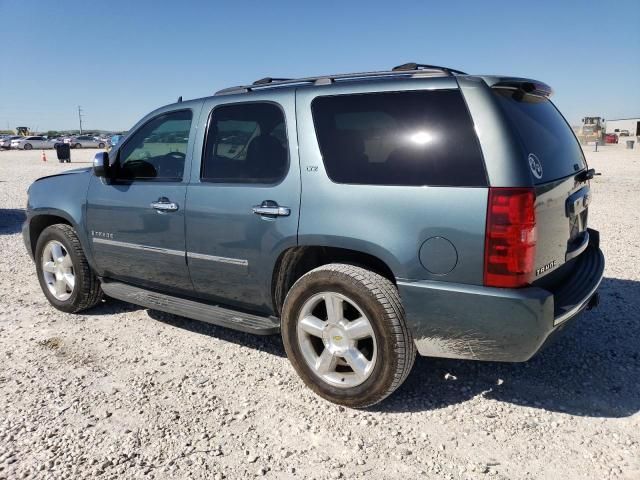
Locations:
{"points": [[269, 208], [163, 204]]}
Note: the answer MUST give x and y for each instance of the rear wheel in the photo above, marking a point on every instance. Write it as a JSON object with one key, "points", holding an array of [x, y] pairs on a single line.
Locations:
{"points": [[344, 332], [63, 271]]}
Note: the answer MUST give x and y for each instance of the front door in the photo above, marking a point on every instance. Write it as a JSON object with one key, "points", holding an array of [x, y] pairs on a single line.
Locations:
{"points": [[243, 203], [136, 220]]}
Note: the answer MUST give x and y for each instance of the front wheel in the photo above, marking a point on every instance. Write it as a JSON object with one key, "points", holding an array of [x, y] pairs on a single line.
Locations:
{"points": [[101, 145], [63, 271], [28, 146], [344, 331], [77, 145]]}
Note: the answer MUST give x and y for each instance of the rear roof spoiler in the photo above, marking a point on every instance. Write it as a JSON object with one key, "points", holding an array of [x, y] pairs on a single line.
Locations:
{"points": [[524, 85]]}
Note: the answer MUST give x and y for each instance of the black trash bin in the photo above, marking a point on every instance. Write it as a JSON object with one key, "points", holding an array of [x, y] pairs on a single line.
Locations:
{"points": [[63, 150]]}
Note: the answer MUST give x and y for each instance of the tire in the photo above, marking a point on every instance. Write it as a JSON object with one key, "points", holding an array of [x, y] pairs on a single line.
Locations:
{"points": [[77, 145], [28, 146], [86, 291], [389, 353], [101, 145]]}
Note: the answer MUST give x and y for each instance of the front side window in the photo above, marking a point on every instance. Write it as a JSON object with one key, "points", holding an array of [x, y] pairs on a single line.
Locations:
{"points": [[157, 151], [246, 143], [410, 138]]}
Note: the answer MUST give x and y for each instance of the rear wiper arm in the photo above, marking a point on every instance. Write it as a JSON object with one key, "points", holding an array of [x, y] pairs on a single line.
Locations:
{"points": [[587, 175]]}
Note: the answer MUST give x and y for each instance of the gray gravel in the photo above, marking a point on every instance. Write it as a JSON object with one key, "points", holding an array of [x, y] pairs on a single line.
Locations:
{"points": [[124, 392]]}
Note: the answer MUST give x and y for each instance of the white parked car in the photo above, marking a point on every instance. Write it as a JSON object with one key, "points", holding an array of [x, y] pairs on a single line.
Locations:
{"points": [[27, 143], [5, 143], [85, 141]]}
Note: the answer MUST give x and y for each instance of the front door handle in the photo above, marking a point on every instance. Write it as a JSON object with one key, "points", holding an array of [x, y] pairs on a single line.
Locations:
{"points": [[269, 208], [163, 204]]}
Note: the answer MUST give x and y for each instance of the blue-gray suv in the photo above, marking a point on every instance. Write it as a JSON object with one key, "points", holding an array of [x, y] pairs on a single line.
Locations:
{"points": [[363, 216]]}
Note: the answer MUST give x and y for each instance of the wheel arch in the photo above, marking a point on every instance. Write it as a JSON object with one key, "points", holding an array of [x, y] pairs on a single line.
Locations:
{"points": [[43, 219], [294, 262]]}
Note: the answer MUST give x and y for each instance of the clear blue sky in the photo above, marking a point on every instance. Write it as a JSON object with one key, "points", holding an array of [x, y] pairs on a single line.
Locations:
{"points": [[119, 60]]}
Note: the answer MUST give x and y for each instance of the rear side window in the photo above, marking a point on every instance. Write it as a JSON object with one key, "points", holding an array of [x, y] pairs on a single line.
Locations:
{"points": [[399, 138], [544, 133], [246, 143]]}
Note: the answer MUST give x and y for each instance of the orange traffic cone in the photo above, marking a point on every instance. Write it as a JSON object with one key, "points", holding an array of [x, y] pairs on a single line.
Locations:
{"points": [[44, 156]]}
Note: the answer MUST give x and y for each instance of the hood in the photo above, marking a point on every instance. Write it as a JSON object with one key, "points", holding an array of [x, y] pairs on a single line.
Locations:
{"points": [[67, 172]]}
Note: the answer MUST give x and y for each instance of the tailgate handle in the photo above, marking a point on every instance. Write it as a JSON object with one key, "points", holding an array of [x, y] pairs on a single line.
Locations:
{"points": [[579, 249], [578, 202]]}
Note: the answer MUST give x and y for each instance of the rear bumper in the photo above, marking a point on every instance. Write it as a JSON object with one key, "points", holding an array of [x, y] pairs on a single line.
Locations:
{"points": [[482, 323]]}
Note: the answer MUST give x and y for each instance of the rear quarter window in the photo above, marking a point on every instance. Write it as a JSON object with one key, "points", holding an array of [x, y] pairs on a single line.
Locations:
{"points": [[414, 138]]}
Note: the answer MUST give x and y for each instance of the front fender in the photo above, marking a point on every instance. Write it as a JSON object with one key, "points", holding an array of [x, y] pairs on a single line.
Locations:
{"points": [[58, 197]]}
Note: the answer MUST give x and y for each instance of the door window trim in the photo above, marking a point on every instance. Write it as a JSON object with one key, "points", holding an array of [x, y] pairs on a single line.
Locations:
{"points": [[129, 137], [244, 184]]}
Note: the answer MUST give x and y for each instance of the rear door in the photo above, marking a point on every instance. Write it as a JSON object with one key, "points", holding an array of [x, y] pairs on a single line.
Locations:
{"points": [[554, 159], [243, 199]]}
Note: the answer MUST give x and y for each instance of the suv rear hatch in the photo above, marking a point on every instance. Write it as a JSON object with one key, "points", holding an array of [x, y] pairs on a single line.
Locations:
{"points": [[558, 170]]}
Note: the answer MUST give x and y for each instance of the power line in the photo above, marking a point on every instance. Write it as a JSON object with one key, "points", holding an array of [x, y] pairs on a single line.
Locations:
{"points": [[80, 115]]}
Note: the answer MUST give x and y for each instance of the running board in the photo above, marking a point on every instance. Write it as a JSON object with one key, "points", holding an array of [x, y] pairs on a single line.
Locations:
{"points": [[224, 317]]}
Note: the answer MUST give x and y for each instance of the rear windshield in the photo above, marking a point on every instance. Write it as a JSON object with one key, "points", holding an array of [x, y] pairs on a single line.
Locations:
{"points": [[410, 138], [544, 133]]}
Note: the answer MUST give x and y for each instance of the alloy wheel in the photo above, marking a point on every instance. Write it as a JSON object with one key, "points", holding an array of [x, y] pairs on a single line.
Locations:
{"points": [[57, 269], [336, 339]]}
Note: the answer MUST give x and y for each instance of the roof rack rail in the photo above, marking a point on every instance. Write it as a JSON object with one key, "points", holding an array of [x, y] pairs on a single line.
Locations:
{"points": [[267, 80], [407, 69], [421, 66]]}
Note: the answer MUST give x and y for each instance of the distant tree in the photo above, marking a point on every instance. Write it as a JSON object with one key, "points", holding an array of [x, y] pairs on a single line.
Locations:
{"points": [[7, 132]]}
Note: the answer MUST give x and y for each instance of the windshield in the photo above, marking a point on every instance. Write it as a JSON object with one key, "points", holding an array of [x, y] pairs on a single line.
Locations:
{"points": [[544, 133]]}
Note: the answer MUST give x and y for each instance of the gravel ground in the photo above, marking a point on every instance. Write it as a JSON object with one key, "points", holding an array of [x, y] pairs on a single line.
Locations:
{"points": [[124, 392]]}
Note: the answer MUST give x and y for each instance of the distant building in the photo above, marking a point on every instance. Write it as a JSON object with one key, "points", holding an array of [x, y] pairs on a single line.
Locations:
{"points": [[618, 124]]}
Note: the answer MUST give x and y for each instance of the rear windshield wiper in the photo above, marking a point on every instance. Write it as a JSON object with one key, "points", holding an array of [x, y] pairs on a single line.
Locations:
{"points": [[587, 175]]}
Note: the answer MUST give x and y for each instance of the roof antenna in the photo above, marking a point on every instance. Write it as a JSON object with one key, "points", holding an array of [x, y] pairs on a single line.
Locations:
{"points": [[180, 99]]}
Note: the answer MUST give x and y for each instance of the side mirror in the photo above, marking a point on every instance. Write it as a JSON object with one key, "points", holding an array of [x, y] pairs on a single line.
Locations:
{"points": [[101, 164]]}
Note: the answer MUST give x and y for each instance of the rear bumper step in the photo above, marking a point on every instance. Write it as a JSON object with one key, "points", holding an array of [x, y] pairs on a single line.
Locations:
{"points": [[224, 317], [576, 295]]}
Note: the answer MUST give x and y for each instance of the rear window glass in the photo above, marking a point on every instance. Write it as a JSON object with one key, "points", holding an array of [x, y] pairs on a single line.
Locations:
{"points": [[399, 138], [544, 133]]}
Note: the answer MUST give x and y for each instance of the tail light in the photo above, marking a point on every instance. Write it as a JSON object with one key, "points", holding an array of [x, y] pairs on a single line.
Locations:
{"points": [[510, 238]]}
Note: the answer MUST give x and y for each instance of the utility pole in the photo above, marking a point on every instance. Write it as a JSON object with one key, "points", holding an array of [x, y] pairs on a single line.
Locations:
{"points": [[80, 118]]}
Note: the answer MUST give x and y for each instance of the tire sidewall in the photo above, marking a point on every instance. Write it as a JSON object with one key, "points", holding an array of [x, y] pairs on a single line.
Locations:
{"points": [[382, 375], [51, 233]]}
